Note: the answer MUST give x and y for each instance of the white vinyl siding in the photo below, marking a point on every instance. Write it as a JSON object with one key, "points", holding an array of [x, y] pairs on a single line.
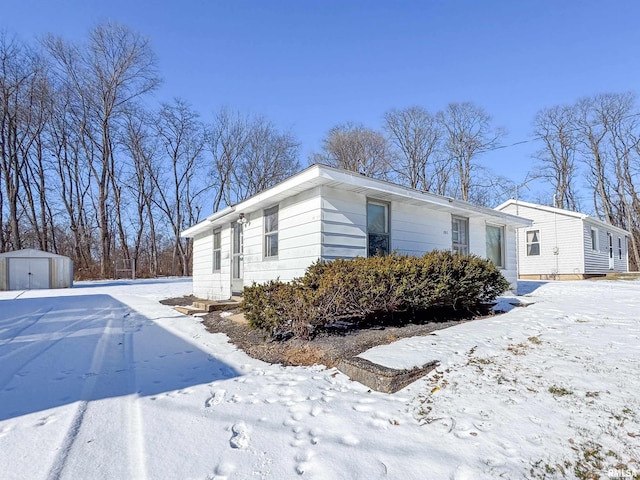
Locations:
{"points": [[298, 239], [206, 283], [566, 244]]}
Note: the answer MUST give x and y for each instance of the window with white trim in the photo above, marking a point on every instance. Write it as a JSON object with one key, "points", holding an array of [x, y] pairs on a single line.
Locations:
{"points": [[271, 232], [595, 241], [495, 245], [378, 242], [217, 257], [533, 243], [460, 235]]}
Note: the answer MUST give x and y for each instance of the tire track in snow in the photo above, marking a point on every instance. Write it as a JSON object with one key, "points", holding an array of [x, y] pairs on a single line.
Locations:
{"points": [[133, 412], [66, 449], [38, 347]]}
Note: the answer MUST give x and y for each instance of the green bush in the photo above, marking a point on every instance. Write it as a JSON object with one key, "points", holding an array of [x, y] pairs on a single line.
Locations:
{"points": [[361, 289]]}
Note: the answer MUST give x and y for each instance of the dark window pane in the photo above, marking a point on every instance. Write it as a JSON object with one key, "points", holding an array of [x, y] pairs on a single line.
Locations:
{"points": [[378, 244]]}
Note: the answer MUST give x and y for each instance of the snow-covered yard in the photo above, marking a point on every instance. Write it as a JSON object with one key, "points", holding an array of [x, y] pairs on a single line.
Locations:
{"points": [[102, 381]]}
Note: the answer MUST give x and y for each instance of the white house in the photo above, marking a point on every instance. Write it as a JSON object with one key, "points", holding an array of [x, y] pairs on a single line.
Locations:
{"points": [[324, 213], [561, 244]]}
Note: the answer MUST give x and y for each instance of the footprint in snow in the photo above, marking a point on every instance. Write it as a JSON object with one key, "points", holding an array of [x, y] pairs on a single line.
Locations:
{"points": [[240, 436], [215, 399], [222, 472]]}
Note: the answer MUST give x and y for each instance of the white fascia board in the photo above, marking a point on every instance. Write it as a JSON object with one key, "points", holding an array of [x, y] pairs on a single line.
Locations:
{"points": [[206, 223]]}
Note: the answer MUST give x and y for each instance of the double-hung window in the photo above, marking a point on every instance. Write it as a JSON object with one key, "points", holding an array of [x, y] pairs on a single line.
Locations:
{"points": [[217, 258], [377, 228], [271, 232], [533, 242], [495, 245], [460, 235]]}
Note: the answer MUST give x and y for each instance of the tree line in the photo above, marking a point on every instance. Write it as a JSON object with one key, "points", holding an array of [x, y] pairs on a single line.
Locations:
{"points": [[88, 169], [92, 169]]}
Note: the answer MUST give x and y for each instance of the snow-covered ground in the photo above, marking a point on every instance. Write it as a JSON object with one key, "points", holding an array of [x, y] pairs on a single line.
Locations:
{"points": [[102, 381]]}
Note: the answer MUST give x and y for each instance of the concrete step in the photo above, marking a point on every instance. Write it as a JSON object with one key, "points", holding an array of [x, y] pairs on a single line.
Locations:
{"points": [[189, 310], [216, 305]]}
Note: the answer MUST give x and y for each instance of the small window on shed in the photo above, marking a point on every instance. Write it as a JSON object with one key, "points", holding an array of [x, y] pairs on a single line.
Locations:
{"points": [[533, 242], [595, 244]]}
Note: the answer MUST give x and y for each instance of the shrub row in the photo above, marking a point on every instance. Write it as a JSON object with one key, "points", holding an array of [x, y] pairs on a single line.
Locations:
{"points": [[364, 288]]}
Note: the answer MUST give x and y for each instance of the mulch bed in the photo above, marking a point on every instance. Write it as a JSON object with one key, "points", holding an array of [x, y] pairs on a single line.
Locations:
{"points": [[326, 348]]}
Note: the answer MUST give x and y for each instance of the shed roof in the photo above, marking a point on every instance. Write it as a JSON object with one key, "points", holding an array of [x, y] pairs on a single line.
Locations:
{"points": [[567, 213], [30, 253], [316, 175]]}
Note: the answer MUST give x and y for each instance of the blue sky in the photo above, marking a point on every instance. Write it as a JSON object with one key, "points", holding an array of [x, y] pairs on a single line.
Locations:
{"points": [[310, 65]]}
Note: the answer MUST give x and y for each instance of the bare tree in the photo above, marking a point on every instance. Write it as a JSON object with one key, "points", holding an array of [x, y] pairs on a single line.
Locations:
{"points": [[181, 137], [591, 133], [268, 158], [110, 73], [141, 144], [468, 134], [555, 127], [21, 123], [415, 136], [356, 148], [227, 139]]}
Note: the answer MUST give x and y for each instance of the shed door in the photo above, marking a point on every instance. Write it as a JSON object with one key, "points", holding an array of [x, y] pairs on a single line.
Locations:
{"points": [[28, 273]]}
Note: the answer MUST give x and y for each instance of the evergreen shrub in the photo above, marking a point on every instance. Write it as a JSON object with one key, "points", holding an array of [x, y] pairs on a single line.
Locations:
{"points": [[361, 289]]}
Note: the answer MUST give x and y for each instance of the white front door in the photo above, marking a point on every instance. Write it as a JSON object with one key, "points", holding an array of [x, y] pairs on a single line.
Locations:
{"points": [[611, 259], [28, 273], [237, 263]]}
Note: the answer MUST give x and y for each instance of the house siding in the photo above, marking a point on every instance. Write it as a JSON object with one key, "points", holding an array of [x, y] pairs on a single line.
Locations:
{"points": [[206, 282], [414, 230], [571, 238], [344, 224], [597, 261], [557, 231]]}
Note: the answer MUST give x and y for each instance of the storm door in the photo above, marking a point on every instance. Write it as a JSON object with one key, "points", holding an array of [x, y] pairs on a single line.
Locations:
{"points": [[237, 266]]}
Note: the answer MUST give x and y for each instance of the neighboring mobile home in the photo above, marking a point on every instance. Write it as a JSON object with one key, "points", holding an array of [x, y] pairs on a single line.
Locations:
{"points": [[324, 213], [561, 244]]}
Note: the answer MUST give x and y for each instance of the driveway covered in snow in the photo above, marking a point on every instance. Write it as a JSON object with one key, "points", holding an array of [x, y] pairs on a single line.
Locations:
{"points": [[102, 381]]}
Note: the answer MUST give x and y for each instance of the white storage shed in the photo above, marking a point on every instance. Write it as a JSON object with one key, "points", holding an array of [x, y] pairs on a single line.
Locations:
{"points": [[34, 269]]}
